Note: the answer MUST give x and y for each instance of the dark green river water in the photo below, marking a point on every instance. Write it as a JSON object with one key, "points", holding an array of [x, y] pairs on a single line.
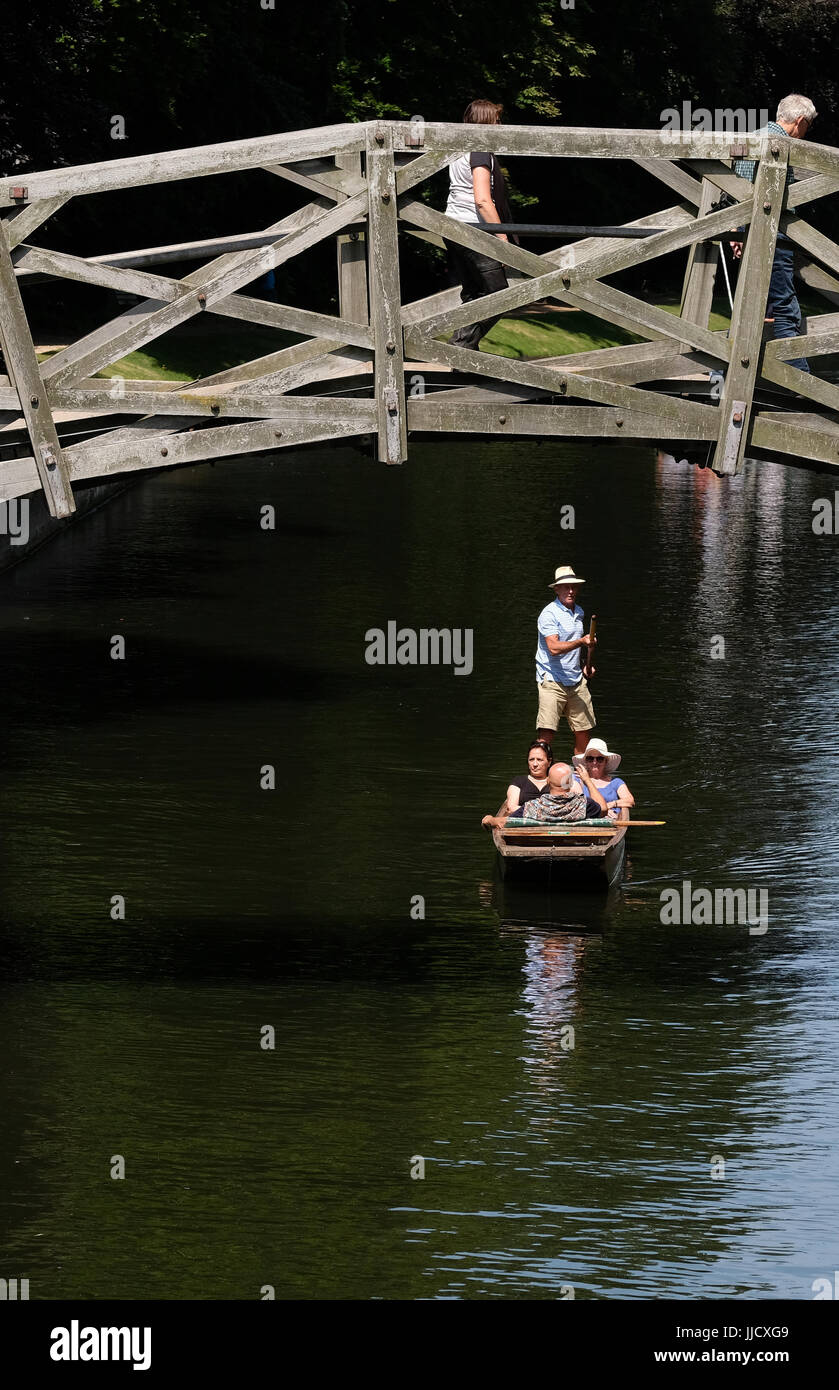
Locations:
{"points": [[685, 1146]]}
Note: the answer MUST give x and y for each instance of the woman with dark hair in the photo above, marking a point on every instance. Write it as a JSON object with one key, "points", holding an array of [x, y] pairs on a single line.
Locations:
{"points": [[533, 783], [477, 194]]}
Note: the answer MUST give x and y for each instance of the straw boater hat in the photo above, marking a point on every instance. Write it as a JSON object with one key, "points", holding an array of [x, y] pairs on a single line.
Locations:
{"points": [[596, 745], [565, 575]]}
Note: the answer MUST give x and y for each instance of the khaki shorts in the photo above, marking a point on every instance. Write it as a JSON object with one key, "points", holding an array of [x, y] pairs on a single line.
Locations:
{"points": [[574, 701]]}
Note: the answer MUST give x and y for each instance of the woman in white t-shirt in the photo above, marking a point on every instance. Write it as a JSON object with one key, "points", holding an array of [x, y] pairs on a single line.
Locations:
{"points": [[477, 194]]}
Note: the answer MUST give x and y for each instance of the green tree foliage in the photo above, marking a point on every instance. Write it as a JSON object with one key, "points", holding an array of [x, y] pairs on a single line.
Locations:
{"points": [[398, 60], [191, 72]]}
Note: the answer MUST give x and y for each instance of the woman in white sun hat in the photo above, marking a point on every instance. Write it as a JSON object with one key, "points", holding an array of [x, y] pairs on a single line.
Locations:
{"points": [[601, 766]]}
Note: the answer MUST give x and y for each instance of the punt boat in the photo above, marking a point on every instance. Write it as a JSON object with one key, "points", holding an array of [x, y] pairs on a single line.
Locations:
{"points": [[593, 850]]}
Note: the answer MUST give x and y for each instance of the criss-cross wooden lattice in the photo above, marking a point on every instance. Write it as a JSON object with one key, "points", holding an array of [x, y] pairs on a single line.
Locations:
{"points": [[361, 183]]}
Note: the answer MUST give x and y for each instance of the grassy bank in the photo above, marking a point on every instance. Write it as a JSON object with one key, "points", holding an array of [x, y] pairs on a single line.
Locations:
{"points": [[207, 345]]}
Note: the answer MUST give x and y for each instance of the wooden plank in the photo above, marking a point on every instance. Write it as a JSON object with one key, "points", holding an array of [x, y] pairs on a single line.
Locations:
{"points": [[667, 369], [800, 437], [169, 165], [493, 392], [353, 303], [723, 178], [578, 253], [351, 247], [817, 341], [620, 356], [187, 251], [820, 159], [202, 289], [261, 367], [440, 414], [469, 235], [806, 384], [338, 174], [815, 243], [819, 279], [319, 186], [244, 403], [664, 408], [747, 317], [419, 169], [385, 298], [440, 138], [302, 217], [700, 274], [22, 221], [286, 316], [65, 267], [646, 319], [805, 191], [606, 263], [337, 361], [22, 364], [674, 177], [575, 142], [92, 459]]}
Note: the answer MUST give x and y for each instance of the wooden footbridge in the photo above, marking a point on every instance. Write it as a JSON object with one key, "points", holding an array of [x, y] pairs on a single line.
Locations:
{"points": [[346, 376]]}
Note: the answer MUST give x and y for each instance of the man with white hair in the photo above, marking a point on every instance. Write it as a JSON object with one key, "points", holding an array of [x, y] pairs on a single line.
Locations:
{"points": [[794, 117]]}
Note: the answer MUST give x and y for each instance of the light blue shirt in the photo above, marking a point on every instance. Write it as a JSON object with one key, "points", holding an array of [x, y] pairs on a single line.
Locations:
{"points": [[558, 621]]}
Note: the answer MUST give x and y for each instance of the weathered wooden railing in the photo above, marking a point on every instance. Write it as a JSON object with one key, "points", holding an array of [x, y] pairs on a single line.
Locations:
{"points": [[362, 182]]}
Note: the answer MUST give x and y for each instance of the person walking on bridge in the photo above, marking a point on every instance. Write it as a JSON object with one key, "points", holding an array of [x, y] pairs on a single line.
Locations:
{"points": [[477, 194], [560, 673], [795, 116]]}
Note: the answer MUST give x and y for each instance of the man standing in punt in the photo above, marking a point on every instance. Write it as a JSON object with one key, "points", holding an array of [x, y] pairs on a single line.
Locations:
{"points": [[560, 671]]}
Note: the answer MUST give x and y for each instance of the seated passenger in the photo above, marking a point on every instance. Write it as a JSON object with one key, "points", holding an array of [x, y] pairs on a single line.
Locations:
{"points": [[533, 783], [563, 800], [601, 766]]}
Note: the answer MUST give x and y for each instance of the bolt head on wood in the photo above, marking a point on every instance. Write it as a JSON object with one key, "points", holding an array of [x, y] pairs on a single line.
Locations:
{"points": [[744, 361], [502, 419], [566, 280], [278, 434], [619, 420], [380, 139], [164, 452], [385, 197], [767, 207], [202, 298], [20, 194], [34, 402], [737, 417], [391, 347]]}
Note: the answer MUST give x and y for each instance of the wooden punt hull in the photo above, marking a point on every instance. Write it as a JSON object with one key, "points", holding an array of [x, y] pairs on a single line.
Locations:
{"points": [[559, 852]]}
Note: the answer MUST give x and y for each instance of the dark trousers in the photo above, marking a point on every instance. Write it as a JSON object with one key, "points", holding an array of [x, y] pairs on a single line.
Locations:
{"points": [[782, 304], [477, 275]]}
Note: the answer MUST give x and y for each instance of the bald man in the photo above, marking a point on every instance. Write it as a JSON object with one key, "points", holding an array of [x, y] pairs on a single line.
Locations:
{"points": [[562, 800]]}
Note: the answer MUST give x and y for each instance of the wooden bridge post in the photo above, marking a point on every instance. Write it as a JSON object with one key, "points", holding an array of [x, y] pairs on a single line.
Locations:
{"points": [[746, 334], [385, 296], [700, 276], [352, 260], [25, 376]]}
